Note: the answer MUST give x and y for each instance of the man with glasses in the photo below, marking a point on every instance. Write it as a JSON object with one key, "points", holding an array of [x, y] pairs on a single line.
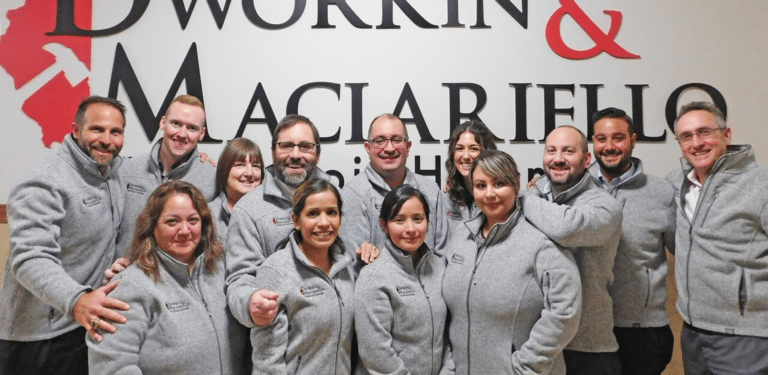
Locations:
{"points": [[721, 258], [173, 157], [262, 218], [387, 147]]}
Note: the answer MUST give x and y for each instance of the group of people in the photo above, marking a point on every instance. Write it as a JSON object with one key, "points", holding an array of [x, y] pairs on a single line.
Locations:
{"points": [[243, 268]]}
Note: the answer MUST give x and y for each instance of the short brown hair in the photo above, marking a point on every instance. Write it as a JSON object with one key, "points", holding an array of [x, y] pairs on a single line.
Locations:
{"points": [[238, 149]]}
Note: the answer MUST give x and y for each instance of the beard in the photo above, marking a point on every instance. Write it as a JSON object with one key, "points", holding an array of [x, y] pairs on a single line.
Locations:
{"points": [[615, 169], [571, 179], [294, 179]]}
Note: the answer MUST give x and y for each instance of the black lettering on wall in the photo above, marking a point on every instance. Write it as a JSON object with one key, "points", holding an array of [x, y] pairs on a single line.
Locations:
{"points": [[65, 20], [259, 96], [250, 12], [418, 118], [521, 16], [357, 112], [387, 15], [671, 107], [454, 99], [521, 113], [550, 111], [293, 103], [219, 15], [349, 14], [428, 172], [189, 73]]}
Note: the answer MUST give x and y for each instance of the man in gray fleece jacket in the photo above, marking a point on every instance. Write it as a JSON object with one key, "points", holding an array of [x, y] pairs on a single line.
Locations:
{"points": [[387, 147], [63, 221], [173, 157], [576, 214], [721, 262], [639, 290], [262, 218]]}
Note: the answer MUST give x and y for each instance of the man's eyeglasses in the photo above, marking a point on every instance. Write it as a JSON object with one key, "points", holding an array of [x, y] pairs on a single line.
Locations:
{"points": [[381, 142], [305, 147], [702, 133]]}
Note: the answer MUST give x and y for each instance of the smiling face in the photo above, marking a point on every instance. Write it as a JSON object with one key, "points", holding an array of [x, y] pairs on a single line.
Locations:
{"points": [[565, 160], [612, 146], [408, 228], [182, 127], [319, 221], [244, 176], [465, 152], [702, 153], [101, 134], [388, 159], [496, 198], [178, 228], [294, 167]]}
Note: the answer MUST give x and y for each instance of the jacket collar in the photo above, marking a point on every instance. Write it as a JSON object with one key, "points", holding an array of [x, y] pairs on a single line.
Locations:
{"points": [[178, 269], [339, 257], [75, 156], [498, 232], [737, 159], [180, 168], [380, 185], [596, 173], [545, 186], [406, 261]]}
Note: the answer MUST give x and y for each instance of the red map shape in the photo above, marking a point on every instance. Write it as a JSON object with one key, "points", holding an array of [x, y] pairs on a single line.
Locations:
{"points": [[21, 47], [53, 106], [56, 113]]}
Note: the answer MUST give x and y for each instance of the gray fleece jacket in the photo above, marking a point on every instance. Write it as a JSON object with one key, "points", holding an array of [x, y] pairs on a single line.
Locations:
{"points": [[259, 221], [220, 211], [178, 325], [639, 289], [721, 258], [363, 195], [400, 314], [142, 174], [587, 221], [63, 220], [456, 214], [514, 299], [313, 330]]}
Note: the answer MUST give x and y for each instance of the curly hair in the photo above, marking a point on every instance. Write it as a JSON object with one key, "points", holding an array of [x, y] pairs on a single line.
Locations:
{"points": [[143, 250], [457, 191]]}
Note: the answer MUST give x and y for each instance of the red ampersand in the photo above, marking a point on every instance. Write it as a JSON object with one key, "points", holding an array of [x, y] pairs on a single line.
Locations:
{"points": [[603, 41]]}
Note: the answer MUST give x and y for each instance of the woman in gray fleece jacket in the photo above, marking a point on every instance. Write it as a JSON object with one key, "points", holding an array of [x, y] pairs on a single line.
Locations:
{"points": [[312, 273], [178, 321], [400, 312], [514, 296]]}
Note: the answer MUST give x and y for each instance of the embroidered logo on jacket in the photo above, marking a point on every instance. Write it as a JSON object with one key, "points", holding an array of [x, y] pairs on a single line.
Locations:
{"points": [[454, 215], [88, 202], [405, 291], [177, 306], [312, 291], [136, 189], [282, 221], [458, 259]]}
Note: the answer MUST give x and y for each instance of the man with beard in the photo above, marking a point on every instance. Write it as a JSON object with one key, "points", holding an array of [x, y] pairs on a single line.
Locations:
{"points": [[173, 157], [387, 147], [639, 290], [63, 221], [575, 213], [262, 218], [721, 258]]}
